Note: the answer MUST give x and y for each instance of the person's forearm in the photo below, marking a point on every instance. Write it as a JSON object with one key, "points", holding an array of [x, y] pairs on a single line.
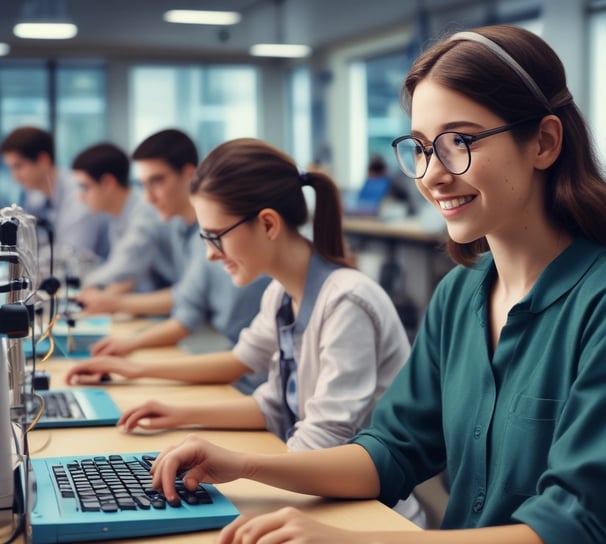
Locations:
{"points": [[243, 413], [165, 333], [520, 534], [341, 472], [221, 367], [120, 287], [156, 303]]}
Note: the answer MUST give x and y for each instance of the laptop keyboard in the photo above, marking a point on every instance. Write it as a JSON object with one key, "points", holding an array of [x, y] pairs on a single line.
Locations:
{"points": [[61, 404], [112, 483]]}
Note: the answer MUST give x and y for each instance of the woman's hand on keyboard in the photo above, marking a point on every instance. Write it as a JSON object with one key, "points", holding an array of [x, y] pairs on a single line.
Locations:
{"points": [[96, 370], [196, 460], [154, 415]]}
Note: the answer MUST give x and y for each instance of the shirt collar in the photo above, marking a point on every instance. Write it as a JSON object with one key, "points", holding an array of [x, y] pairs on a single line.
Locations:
{"points": [[563, 273], [559, 277], [317, 271], [187, 231], [128, 209]]}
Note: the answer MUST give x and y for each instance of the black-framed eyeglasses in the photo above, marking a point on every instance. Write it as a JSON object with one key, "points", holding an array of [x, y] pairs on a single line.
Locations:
{"points": [[215, 239], [451, 148]]}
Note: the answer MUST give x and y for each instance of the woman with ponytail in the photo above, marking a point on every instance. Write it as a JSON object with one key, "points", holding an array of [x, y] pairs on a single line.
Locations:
{"points": [[328, 336]]}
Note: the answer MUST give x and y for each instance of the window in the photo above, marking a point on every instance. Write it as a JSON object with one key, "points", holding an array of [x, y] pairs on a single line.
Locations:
{"points": [[386, 120], [80, 110], [65, 98], [299, 114], [375, 84], [210, 104], [24, 100]]}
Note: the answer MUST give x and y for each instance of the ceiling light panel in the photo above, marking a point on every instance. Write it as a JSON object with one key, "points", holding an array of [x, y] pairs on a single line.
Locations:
{"points": [[45, 31], [201, 17], [285, 50]]}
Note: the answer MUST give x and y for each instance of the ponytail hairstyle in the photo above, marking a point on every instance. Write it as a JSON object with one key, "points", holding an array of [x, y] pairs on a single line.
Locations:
{"points": [[246, 175], [481, 65]]}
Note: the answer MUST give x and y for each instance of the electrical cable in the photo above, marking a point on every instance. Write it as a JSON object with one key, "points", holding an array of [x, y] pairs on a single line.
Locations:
{"points": [[44, 445], [39, 413]]}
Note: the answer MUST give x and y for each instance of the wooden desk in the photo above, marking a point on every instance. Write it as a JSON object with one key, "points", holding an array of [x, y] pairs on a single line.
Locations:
{"points": [[407, 230], [248, 496], [413, 260]]}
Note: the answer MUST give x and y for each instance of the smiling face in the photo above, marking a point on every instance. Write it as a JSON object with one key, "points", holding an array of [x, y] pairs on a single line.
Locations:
{"points": [[245, 247], [500, 193]]}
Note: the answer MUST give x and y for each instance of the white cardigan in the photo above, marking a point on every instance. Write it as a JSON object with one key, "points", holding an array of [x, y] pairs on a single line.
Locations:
{"points": [[351, 349]]}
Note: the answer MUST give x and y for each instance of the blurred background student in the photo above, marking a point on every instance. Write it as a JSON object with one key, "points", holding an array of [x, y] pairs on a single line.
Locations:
{"points": [[102, 174], [51, 194]]}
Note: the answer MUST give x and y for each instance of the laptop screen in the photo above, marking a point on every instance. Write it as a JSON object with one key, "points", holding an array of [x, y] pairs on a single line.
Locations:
{"points": [[371, 195]]}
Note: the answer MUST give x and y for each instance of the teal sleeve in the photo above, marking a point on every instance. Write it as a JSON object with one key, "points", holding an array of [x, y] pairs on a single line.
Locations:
{"points": [[405, 438]]}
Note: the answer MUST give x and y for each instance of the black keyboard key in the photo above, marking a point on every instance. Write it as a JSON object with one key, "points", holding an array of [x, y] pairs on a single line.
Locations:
{"points": [[148, 459], [203, 496], [126, 504], [142, 501], [158, 503], [109, 506], [90, 506]]}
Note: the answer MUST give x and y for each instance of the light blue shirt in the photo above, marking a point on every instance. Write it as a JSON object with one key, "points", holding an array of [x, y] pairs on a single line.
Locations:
{"points": [[206, 293], [134, 237], [76, 230], [173, 249]]}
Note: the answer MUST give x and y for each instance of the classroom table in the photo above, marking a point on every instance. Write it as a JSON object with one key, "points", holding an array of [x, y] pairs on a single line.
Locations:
{"points": [[248, 496], [408, 232], [412, 261]]}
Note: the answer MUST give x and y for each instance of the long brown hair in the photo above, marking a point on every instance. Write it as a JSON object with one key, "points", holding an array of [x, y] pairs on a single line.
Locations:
{"points": [[575, 191], [246, 175]]}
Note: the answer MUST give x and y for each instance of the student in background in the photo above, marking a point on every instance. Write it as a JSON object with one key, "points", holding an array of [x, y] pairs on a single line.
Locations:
{"points": [[102, 174], [504, 387], [202, 292], [328, 336], [167, 162], [52, 196], [377, 168]]}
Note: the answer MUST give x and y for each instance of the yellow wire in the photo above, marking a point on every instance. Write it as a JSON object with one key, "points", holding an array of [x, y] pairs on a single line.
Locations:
{"points": [[48, 333], [39, 414]]}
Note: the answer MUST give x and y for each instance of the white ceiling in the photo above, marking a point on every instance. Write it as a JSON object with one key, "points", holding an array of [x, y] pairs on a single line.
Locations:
{"points": [[135, 27]]}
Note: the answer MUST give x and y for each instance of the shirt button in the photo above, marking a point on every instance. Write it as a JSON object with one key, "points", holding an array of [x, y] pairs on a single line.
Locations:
{"points": [[477, 431], [478, 503]]}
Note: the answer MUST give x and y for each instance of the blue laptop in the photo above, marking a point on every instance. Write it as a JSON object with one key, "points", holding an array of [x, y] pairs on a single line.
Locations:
{"points": [[110, 497], [368, 200], [74, 407], [73, 341]]}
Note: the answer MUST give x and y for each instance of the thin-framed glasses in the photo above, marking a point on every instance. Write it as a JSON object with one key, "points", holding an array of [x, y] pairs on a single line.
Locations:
{"points": [[451, 148], [215, 239]]}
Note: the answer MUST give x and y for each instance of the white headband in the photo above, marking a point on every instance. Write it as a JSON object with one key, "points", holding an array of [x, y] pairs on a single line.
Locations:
{"points": [[507, 59]]}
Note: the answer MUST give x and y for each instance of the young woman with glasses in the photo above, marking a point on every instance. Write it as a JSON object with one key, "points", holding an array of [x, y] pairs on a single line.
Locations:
{"points": [[328, 336], [505, 388]]}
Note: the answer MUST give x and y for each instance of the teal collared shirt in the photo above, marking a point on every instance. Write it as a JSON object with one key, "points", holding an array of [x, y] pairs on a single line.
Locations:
{"points": [[520, 431]]}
